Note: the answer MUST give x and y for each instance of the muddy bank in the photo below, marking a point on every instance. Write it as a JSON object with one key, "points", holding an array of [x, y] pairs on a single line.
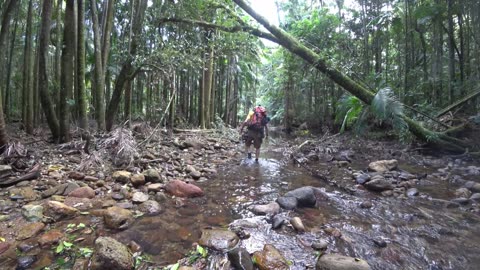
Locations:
{"points": [[158, 199]]}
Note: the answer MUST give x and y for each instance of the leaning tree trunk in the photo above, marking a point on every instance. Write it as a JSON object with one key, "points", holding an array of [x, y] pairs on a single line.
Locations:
{"points": [[127, 70], [294, 46], [42, 70], [8, 7]]}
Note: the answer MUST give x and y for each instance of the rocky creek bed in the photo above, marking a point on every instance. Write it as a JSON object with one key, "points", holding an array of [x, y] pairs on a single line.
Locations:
{"points": [[192, 201]]}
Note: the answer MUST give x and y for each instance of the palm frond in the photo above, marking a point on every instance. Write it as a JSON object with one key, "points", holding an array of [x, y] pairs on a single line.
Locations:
{"points": [[349, 109], [387, 108]]}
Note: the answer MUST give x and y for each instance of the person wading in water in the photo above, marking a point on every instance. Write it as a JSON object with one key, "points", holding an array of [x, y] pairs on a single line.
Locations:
{"points": [[256, 123]]}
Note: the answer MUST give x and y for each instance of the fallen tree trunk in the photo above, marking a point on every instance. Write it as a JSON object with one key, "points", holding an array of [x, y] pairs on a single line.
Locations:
{"points": [[437, 139], [458, 103]]}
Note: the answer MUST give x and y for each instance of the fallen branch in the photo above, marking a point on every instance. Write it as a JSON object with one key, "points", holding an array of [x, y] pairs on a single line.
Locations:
{"points": [[34, 173], [458, 103]]}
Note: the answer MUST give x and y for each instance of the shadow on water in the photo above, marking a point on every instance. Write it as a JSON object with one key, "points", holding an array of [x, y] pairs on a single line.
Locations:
{"points": [[420, 233]]}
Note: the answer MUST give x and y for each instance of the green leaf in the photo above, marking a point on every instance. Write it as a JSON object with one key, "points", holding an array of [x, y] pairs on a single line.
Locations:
{"points": [[202, 251], [2, 239], [59, 248], [175, 266], [81, 226], [67, 244]]}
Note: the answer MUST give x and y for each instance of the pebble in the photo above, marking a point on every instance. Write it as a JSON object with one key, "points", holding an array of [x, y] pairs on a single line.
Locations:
{"points": [[380, 242], [24, 262], [320, 245], [366, 204]]}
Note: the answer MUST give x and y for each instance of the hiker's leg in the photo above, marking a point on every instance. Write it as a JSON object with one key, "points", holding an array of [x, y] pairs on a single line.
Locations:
{"points": [[257, 153], [248, 142], [257, 143]]}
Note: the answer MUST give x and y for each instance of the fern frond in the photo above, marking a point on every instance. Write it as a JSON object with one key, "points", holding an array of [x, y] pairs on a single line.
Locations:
{"points": [[386, 107]]}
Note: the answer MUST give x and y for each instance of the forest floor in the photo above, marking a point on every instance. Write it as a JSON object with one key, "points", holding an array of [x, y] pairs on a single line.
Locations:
{"points": [[154, 198]]}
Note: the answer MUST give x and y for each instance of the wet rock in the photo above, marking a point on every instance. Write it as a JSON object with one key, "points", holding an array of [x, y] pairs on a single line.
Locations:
{"points": [[117, 196], [117, 218], [152, 175], [288, 203], [181, 189], [362, 178], [475, 188], [297, 224], [6, 205], [151, 208], [405, 176], [69, 188], [154, 187], [57, 210], [30, 230], [218, 239], [28, 245], [196, 175], [463, 193], [333, 232], [240, 232], [49, 238], [4, 218], [387, 193], [137, 180], [24, 193], [32, 212], [380, 242], [90, 178], [121, 177], [83, 192], [76, 175], [24, 262], [412, 192], [320, 245], [4, 246], [139, 197], [266, 209], [340, 262], [277, 221], [305, 196], [461, 201], [111, 254], [160, 197], [270, 259], [378, 183], [475, 197], [383, 165], [240, 259]]}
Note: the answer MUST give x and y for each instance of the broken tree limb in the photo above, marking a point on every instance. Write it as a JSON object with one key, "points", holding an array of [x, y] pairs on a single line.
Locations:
{"points": [[294, 46], [458, 103], [34, 173]]}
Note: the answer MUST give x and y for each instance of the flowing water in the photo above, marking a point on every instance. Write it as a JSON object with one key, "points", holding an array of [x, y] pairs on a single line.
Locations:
{"points": [[420, 232]]}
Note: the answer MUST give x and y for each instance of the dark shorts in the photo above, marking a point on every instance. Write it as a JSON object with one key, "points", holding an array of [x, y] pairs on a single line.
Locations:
{"points": [[254, 136]]}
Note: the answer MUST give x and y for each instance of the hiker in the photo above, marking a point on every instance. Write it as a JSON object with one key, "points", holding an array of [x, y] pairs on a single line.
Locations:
{"points": [[256, 122]]}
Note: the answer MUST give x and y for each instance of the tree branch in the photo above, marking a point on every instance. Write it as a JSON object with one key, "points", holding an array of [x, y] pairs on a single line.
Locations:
{"points": [[233, 29]]}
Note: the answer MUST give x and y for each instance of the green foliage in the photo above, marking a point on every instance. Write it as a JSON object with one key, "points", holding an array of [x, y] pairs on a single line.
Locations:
{"points": [[349, 109], [387, 108]]}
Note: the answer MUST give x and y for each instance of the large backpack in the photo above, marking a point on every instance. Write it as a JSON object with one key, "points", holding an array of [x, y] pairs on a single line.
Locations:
{"points": [[259, 119]]}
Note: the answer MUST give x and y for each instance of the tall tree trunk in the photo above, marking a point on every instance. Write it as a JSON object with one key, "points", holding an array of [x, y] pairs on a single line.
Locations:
{"points": [[127, 69], [9, 68], [28, 72], [67, 80], [9, 7], [99, 75], [58, 55], [128, 102], [451, 52], [42, 69], [80, 61]]}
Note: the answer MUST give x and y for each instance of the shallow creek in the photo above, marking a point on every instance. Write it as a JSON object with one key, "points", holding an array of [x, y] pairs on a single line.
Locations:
{"points": [[420, 232]]}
